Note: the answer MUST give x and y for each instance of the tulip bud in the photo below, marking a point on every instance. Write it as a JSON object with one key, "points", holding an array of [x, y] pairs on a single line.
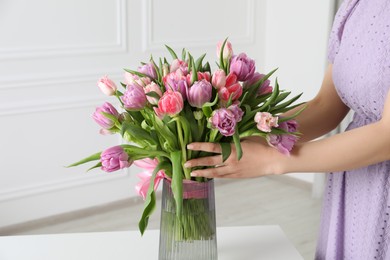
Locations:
{"points": [[227, 50], [198, 115], [107, 86], [165, 69]]}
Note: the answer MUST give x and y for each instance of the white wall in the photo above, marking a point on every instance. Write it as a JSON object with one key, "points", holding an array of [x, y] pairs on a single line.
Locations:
{"points": [[51, 55], [296, 43]]}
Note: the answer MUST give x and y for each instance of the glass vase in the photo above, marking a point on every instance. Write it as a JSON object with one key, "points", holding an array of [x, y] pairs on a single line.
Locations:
{"points": [[192, 234]]}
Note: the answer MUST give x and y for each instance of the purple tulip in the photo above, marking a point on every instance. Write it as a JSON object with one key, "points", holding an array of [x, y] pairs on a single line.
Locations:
{"points": [[224, 120], [149, 70], [176, 81], [114, 158], [242, 66], [200, 93], [134, 97], [265, 87], [101, 119], [284, 142], [237, 111]]}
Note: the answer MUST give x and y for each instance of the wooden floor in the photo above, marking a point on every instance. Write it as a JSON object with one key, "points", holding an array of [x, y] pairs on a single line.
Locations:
{"points": [[278, 200]]}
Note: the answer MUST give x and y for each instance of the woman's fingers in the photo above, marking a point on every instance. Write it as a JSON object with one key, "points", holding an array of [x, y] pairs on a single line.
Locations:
{"points": [[207, 147], [204, 161]]}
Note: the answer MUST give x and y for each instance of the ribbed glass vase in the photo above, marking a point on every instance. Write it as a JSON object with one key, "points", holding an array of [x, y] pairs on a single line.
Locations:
{"points": [[192, 234]]}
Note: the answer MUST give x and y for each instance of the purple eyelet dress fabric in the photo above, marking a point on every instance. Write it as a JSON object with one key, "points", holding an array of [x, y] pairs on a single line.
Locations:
{"points": [[355, 221]]}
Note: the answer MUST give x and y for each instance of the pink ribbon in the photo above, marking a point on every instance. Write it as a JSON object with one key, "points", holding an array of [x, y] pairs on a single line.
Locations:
{"points": [[148, 165]]}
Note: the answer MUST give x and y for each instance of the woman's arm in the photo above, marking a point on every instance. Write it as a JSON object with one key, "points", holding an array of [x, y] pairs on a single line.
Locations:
{"points": [[356, 148], [323, 113], [353, 149]]}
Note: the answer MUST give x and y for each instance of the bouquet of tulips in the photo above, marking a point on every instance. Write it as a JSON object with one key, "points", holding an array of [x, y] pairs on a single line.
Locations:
{"points": [[167, 105]]}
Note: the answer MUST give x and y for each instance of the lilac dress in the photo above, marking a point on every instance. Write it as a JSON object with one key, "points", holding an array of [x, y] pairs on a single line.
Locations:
{"points": [[355, 222]]}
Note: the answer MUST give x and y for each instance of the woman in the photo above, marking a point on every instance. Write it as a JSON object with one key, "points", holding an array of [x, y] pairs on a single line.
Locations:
{"points": [[355, 219]]}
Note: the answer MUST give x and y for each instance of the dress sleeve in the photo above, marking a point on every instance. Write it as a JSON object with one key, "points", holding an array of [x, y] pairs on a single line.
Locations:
{"points": [[336, 33]]}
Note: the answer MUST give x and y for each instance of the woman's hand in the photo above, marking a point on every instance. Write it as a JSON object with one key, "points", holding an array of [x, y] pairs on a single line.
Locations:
{"points": [[257, 160]]}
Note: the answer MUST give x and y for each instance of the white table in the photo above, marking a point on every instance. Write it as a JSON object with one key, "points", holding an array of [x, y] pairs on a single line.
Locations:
{"points": [[250, 242]]}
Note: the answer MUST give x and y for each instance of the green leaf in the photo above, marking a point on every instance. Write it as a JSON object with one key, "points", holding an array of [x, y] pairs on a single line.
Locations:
{"points": [[194, 76], [90, 158], [226, 151], [153, 94], [282, 96], [183, 54], [221, 61], [206, 67], [99, 164], [206, 108], [177, 180], [138, 134], [284, 119], [237, 143], [198, 63], [172, 52], [287, 103], [150, 200], [272, 98], [139, 74], [166, 136]]}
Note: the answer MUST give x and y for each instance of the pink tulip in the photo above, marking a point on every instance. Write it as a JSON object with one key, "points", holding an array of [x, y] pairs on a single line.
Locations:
{"points": [[171, 103], [134, 97], [219, 79], [265, 121], [179, 65], [107, 86], [148, 165], [232, 88], [201, 75], [131, 79], [152, 87], [176, 81], [101, 119], [114, 158], [199, 93], [227, 50]]}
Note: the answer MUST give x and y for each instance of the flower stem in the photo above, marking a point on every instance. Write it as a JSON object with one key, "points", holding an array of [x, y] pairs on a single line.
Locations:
{"points": [[183, 148]]}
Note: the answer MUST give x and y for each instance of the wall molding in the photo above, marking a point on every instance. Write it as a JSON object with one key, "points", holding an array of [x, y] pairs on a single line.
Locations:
{"points": [[149, 44], [54, 186], [45, 104], [120, 45]]}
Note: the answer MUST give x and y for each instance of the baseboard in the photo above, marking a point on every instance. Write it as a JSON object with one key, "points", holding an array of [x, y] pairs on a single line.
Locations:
{"points": [[66, 217]]}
